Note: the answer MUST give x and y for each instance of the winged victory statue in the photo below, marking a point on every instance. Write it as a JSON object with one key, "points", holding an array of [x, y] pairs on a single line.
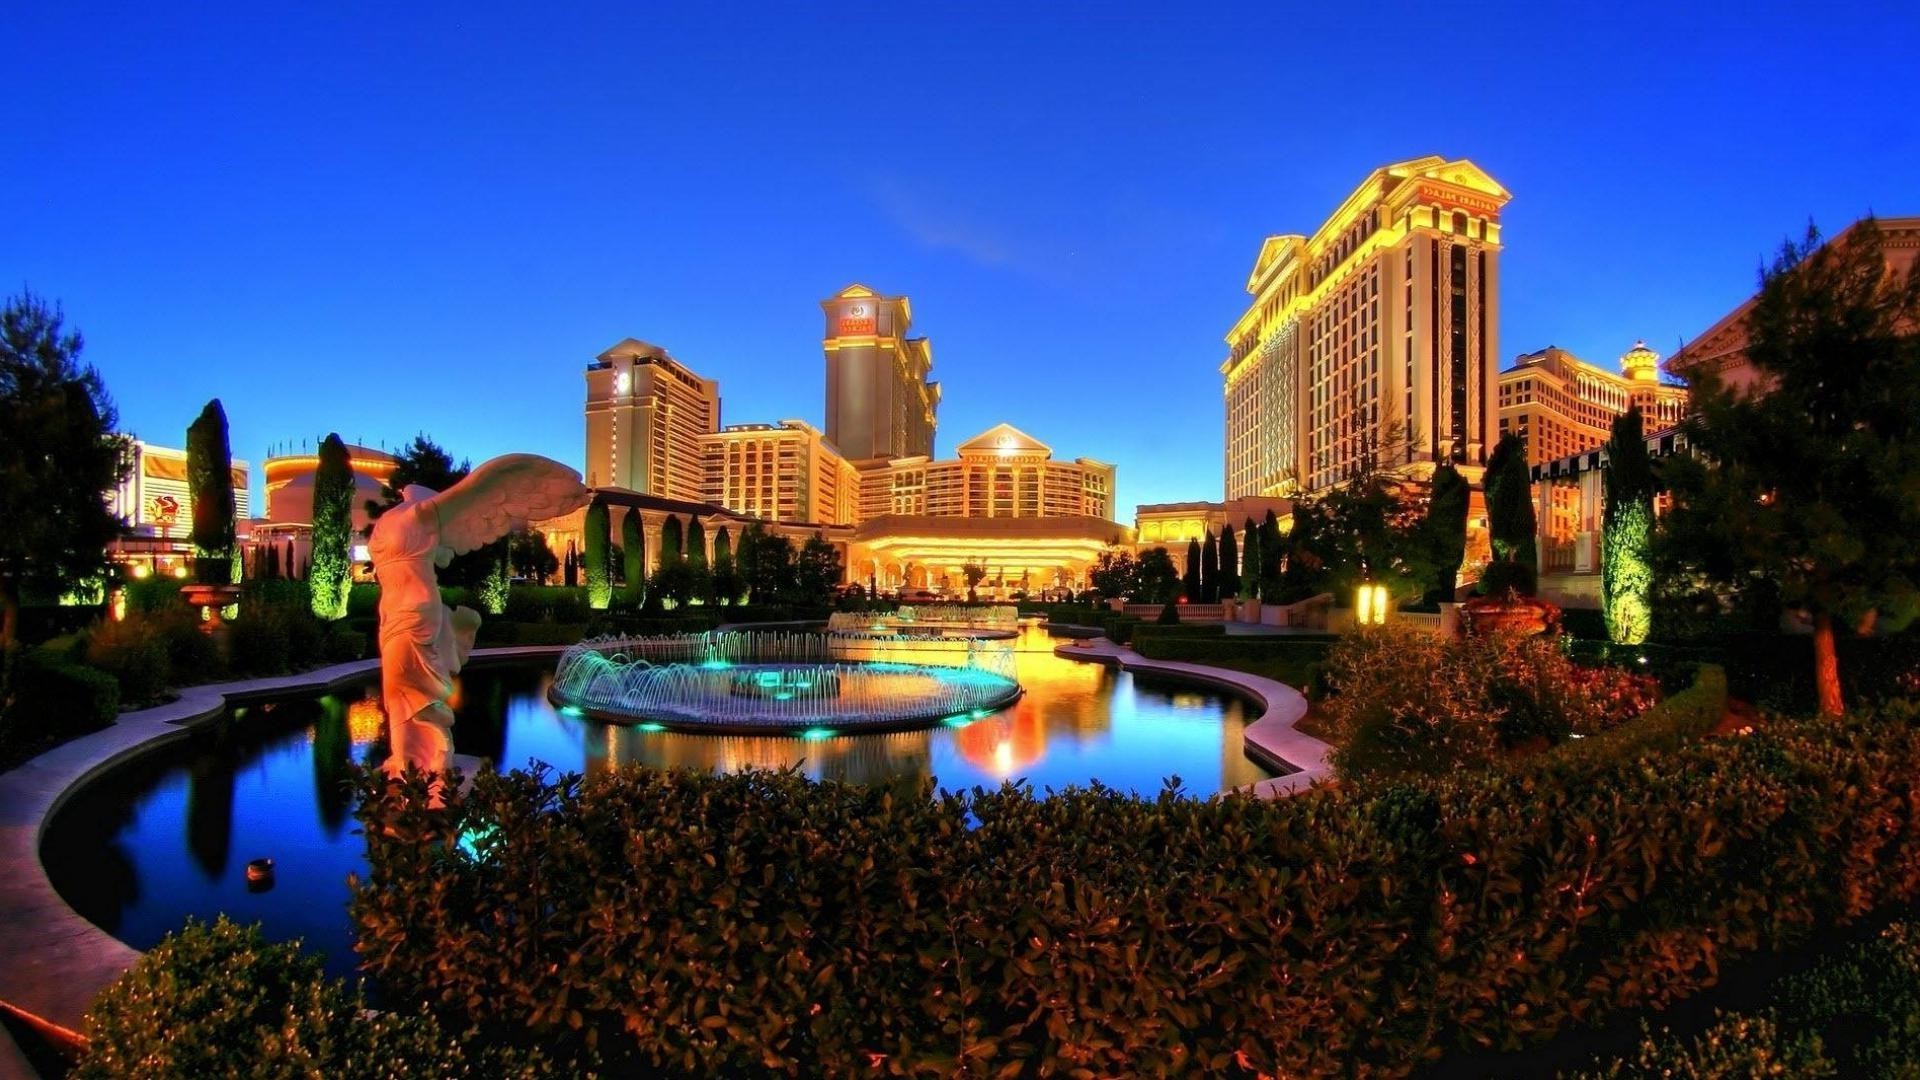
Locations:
{"points": [[424, 643]]}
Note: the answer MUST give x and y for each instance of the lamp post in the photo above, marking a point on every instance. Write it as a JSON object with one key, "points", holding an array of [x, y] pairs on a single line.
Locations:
{"points": [[1370, 604]]}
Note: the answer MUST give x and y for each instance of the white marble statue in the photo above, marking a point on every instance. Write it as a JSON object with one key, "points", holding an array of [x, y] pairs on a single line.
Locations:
{"points": [[423, 643]]}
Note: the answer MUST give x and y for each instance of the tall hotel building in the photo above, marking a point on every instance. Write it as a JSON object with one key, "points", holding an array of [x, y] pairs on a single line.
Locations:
{"points": [[1379, 330], [880, 403], [780, 472], [645, 415], [1559, 404]]}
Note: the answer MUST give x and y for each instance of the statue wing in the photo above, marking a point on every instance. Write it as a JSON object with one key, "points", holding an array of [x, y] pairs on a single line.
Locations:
{"points": [[503, 495]]}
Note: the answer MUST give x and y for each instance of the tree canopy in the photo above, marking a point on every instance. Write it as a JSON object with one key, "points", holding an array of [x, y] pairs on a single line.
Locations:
{"points": [[330, 572], [210, 480], [60, 460], [1808, 483]]}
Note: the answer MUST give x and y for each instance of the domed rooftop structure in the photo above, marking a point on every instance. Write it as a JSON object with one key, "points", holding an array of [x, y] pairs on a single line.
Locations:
{"points": [[1640, 363]]}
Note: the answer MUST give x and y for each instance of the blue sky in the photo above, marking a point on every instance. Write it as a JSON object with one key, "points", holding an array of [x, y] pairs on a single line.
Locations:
{"points": [[383, 219]]}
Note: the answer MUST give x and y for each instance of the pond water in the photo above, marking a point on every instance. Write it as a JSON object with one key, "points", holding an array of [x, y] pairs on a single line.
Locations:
{"points": [[169, 835]]}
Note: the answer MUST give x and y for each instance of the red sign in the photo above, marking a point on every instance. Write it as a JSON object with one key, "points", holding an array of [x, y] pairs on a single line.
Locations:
{"points": [[854, 327]]}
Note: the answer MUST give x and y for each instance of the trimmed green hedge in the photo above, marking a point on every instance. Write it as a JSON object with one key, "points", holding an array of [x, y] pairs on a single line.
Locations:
{"points": [[45, 700], [763, 922], [220, 1000]]}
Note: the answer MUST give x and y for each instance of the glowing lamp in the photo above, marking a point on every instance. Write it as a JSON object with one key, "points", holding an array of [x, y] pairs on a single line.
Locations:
{"points": [[180, 571], [119, 605], [141, 570], [1370, 604]]}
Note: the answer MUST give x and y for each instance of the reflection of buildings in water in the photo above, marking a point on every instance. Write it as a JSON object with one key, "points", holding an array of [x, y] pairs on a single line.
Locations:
{"points": [[366, 721], [1006, 743], [863, 759]]}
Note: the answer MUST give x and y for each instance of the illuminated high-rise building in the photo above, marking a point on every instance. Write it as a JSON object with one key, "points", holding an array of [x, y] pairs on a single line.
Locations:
{"points": [[645, 415], [1559, 404], [880, 403], [785, 472], [1378, 334]]}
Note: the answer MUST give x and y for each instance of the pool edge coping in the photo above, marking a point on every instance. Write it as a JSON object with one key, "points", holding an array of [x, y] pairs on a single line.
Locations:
{"points": [[1274, 740], [58, 961]]}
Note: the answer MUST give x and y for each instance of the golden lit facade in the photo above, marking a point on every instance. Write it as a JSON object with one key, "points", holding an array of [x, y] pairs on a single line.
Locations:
{"points": [[646, 413], [1003, 505], [1001, 473], [1559, 404], [1378, 334], [1171, 525], [880, 402], [780, 472]]}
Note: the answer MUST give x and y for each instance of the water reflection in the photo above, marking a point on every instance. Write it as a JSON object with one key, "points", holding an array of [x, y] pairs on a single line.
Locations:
{"points": [[169, 835]]}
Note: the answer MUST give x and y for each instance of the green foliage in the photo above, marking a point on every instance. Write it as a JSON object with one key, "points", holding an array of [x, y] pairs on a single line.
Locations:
{"points": [[59, 457], [633, 550], [422, 463], [696, 543], [817, 571], [210, 488], [330, 574], [671, 542], [1501, 575], [726, 584], [46, 699], [1273, 558], [1408, 701], [1169, 614], [1115, 574], [599, 570], [1155, 579], [1510, 519], [1305, 573], [762, 923], [498, 581], [1229, 565], [1443, 531], [220, 1000], [1736, 1048], [1191, 586], [1806, 491], [135, 652], [769, 573], [1626, 552], [531, 557], [1249, 580]]}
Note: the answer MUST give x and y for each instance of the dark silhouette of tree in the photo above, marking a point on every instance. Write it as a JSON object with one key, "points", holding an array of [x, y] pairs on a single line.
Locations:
{"points": [[59, 459], [1510, 520], [599, 560], [1806, 485], [1444, 530], [210, 484], [1190, 581], [633, 552], [1229, 565], [1156, 580]]}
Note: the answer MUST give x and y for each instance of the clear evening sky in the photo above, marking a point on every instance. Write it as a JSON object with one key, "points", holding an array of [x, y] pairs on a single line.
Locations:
{"points": [[383, 219]]}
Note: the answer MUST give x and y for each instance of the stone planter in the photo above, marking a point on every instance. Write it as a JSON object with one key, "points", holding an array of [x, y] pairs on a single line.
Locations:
{"points": [[1509, 613]]}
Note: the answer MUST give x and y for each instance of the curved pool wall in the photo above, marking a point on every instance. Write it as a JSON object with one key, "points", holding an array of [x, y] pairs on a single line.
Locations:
{"points": [[784, 683]]}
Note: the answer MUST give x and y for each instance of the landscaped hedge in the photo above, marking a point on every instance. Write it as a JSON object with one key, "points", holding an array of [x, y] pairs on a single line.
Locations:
{"points": [[219, 1000], [46, 699], [761, 922]]}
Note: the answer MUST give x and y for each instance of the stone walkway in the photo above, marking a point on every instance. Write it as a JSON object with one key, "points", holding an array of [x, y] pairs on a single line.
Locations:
{"points": [[52, 961], [1272, 740]]}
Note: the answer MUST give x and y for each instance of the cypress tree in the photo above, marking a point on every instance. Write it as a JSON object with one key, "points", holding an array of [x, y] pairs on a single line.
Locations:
{"points": [[696, 544], [1190, 581], [210, 487], [1210, 568], [1626, 542], [599, 559], [1510, 502], [497, 582], [633, 549], [1272, 555], [1229, 564], [670, 542], [726, 582], [1305, 564], [1250, 558], [330, 571], [1445, 530]]}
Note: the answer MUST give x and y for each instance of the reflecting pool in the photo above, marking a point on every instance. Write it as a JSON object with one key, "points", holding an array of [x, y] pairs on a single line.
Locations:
{"points": [[169, 835]]}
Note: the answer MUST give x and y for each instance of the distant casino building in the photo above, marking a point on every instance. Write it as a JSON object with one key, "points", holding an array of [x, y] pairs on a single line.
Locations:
{"points": [[646, 413], [157, 506], [880, 402], [869, 483], [1559, 404], [1381, 326]]}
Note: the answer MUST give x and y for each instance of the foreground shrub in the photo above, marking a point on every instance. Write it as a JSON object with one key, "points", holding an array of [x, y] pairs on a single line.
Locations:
{"points": [[135, 652], [1855, 1015], [46, 699], [220, 1001], [1404, 700], [762, 923]]}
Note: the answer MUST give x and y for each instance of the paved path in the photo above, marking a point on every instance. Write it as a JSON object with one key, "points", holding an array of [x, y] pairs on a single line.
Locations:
{"points": [[52, 961], [1272, 740]]}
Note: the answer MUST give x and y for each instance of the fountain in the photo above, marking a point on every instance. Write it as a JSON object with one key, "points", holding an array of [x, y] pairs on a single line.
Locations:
{"points": [[930, 621], [783, 683]]}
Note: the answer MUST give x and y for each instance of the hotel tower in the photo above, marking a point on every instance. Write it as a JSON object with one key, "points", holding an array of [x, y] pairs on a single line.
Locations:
{"points": [[645, 415], [879, 401], [1378, 332]]}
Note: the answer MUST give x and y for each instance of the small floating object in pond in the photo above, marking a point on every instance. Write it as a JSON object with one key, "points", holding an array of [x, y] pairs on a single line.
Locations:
{"points": [[260, 874]]}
